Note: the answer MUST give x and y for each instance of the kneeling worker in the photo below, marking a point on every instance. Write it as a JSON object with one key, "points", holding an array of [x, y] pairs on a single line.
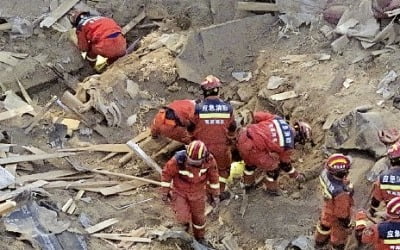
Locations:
{"points": [[100, 37]]}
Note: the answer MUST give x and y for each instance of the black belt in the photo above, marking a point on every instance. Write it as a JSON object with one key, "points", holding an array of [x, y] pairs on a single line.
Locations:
{"points": [[114, 35]]}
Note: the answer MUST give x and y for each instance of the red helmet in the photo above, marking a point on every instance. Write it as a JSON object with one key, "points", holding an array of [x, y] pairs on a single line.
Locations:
{"points": [[196, 152], [338, 164], [394, 152], [393, 207], [210, 82], [74, 15], [303, 132]]}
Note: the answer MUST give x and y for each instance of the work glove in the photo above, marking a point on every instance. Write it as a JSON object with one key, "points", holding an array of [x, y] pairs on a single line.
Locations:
{"points": [[300, 178], [215, 201], [166, 198], [101, 64]]}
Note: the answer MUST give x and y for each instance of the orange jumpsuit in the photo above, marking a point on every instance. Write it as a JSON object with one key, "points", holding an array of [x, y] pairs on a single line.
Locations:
{"points": [[267, 144], [385, 188], [188, 186], [100, 36], [384, 235], [335, 220], [214, 124], [171, 121]]}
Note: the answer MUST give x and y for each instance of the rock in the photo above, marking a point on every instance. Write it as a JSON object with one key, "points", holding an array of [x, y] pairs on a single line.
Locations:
{"points": [[207, 52], [276, 244], [295, 195], [242, 76], [245, 93], [340, 44], [380, 166], [131, 120], [347, 83], [6, 178], [174, 87], [275, 81], [303, 243], [357, 131], [327, 31], [385, 88], [396, 102], [132, 88], [283, 96]]}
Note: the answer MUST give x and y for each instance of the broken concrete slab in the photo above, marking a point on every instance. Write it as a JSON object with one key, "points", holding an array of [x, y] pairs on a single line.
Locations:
{"points": [[385, 86], [380, 166], [206, 51], [245, 93], [340, 44], [242, 76], [6, 178], [357, 130], [275, 81], [303, 243], [284, 96], [40, 226]]}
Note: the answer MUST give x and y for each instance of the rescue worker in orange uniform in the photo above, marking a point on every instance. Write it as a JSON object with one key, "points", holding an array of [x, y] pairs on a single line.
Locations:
{"points": [[98, 36], [171, 121], [268, 144], [215, 125], [334, 223], [384, 235], [388, 184], [184, 180]]}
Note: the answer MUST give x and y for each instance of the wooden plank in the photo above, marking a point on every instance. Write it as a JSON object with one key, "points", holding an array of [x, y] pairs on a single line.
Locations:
{"points": [[67, 205], [131, 177], [61, 10], [41, 114], [122, 237], [6, 147], [135, 233], [15, 112], [100, 226], [116, 148], [79, 185], [256, 6], [147, 159], [9, 58], [23, 158], [7, 207], [44, 176], [73, 178], [125, 159], [5, 26], [109, 156], [134, 22], [34, 150], [12, 168], [25, 94], [12, 194], [77, 197], [123, 187]]}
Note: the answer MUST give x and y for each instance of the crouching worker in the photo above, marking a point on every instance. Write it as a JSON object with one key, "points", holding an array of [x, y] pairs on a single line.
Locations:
{"points": [[100, 39], [171, 121], [384, 235], [184, 180], [334, 223]]}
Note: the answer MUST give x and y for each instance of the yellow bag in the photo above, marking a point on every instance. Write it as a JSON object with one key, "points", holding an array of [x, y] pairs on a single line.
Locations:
{"points": [[237, 170]]}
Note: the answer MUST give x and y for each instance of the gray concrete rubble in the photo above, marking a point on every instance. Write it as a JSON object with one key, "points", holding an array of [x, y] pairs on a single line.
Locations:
{"points": [[358, 130], [207, 52]]}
